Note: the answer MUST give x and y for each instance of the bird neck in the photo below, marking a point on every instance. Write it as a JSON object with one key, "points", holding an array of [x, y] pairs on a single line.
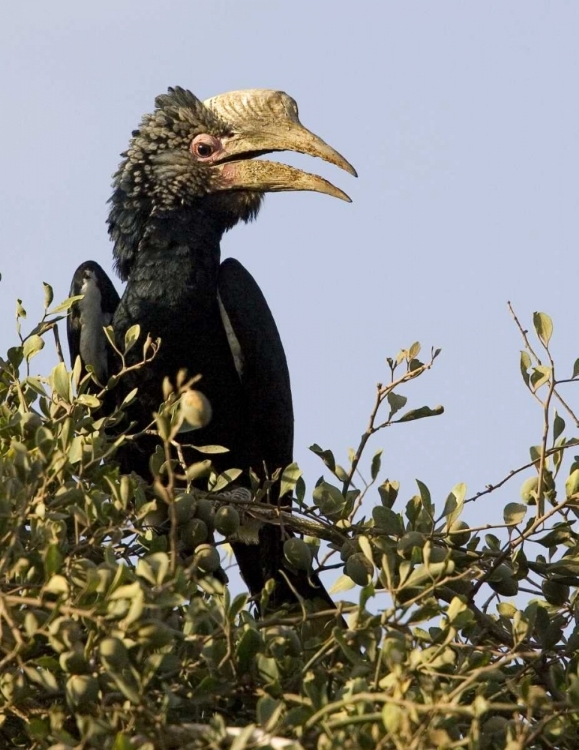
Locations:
{"points": [[178, 260], [171, 241]]}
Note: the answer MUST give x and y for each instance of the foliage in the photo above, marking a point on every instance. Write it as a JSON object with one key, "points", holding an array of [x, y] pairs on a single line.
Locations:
{"points": [[113, 636]]}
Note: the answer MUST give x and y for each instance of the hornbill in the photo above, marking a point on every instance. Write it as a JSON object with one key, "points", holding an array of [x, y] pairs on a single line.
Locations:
{"points": [[188, 176]]}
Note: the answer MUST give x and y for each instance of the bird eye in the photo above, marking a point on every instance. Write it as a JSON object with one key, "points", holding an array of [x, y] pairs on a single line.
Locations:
{"points": [[203, 149], [204, 146]]}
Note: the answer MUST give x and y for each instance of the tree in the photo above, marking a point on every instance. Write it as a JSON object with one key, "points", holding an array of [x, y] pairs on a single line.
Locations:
{"points": [[113, 636]]}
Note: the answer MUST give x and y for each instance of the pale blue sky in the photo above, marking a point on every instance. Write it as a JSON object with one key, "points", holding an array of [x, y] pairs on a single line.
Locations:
{"points": [[462, 120]]}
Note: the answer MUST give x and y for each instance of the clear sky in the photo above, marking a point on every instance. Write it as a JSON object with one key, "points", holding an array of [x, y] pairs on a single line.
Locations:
{"points": [[462, 120]]}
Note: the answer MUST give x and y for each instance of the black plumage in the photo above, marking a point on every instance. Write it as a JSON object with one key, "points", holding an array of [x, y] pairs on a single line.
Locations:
{"points": [[187, 177]]}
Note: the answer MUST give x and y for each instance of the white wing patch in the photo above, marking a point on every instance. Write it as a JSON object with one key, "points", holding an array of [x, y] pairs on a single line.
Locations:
{"points": [[232, 339], [92, 320]]}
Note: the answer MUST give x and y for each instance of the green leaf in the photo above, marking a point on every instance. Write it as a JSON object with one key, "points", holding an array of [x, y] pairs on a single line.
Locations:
{"points": [[32, 346], [20, 311], [514, 513], [421, 413], [414, 364], [341, 584], [127, 685], [289, 479], [572, 483], [454, 503], [388, 492], [130, 397], [543, 326], [237, 605], [395, 402], [77, 371], [540, 375], [48, 295], [211, 449], [506, 609], [243, 740], [163, 426], [250, 644], [87, 399], [132, 336], [36, 385], [558, 426], [197, 470], [387, 520], [433, 571], [424, 494], [530, 490], [376, 463], [38, 729], [60, 381], [110, 334], [560, 534], [414, 350], [366, 547], [392, 717], [122, 742], [525, 363], [66, 305], [329, 499], [223, 480], [326, 456], [52, 560], [269, 711]]}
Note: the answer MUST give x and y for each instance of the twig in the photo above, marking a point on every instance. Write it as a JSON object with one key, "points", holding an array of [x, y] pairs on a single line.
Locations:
{"points": [[57, 342]]}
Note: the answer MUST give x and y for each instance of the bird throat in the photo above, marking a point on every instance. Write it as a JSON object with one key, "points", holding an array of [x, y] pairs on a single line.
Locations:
{"points": [[172, 293]]}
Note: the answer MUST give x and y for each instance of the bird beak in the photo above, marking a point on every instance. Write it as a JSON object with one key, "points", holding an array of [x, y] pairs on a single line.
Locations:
{"points": [[262, 121]]}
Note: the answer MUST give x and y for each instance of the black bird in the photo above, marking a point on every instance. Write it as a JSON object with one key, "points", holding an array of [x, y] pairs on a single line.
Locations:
{"points": [[187, 177]]}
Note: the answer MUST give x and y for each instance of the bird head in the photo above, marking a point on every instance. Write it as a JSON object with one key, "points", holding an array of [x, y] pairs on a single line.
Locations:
{"points": [[198, 157]]}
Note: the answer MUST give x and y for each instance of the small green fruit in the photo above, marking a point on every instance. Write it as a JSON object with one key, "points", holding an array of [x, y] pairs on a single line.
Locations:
{"points": [[555, 593], [207, 559], [194, 411], [227, 520], [205, 511], [359, 568], [184, 508], [298, 554], [503, 582], [459, 539], [194, 533], [349, 548], [410, 540]]}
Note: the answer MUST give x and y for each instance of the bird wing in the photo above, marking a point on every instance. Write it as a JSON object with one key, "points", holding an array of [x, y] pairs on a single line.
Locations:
{"points": [[261, 364], [89, 315]]}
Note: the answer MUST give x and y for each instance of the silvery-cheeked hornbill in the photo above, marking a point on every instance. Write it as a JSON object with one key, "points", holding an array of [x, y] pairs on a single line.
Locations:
{"points": [[189, 175]]}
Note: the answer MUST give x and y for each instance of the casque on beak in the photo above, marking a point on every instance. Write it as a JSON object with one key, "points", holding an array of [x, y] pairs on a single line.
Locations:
{"points": [[263, 121]]}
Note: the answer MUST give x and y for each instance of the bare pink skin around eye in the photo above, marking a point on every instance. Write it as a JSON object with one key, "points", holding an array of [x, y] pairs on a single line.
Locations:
{"points": [[209, 141]]}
